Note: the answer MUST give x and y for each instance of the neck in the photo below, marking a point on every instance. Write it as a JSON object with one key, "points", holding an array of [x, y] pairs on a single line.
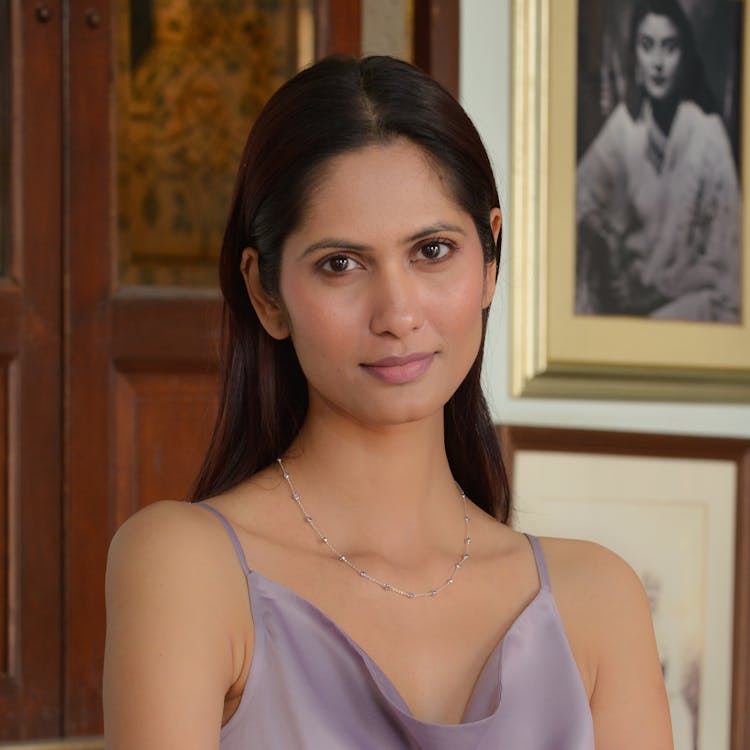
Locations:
{"points": [[663, 112], [389, 489]]}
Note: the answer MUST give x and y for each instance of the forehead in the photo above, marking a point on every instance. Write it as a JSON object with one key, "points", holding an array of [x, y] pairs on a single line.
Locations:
{"points": [[657, 26], [386, 178]]}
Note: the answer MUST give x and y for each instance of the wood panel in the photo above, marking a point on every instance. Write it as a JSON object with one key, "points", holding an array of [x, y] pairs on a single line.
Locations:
{"points": [[163, 426], [4, 547], [338, 27], [154, 330], [436, 40], [78, 743], [30, 404], [87, 369], [11, 303]]}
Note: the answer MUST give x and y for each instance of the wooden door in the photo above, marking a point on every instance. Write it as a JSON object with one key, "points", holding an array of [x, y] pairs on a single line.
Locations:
{"points": [[30, 387]]}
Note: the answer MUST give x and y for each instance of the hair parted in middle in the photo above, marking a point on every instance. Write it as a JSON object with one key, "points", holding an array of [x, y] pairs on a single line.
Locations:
{"points": [[337, 105]]}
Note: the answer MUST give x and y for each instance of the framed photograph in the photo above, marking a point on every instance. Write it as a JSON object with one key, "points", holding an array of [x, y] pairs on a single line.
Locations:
{"points": [[630, 221], [677, 509]]}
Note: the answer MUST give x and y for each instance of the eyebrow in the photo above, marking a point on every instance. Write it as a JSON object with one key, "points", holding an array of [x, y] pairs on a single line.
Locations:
{"points": [[652, 38], [342, 244]]}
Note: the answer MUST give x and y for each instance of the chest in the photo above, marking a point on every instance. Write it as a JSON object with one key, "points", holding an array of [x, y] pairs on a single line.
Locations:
{"points": [[432, 653], [662, 178], [330, 696], [432, 657]]}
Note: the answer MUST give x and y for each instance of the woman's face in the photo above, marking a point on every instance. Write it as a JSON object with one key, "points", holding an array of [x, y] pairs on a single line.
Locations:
{"points": [[658, 54], [383, 287]]}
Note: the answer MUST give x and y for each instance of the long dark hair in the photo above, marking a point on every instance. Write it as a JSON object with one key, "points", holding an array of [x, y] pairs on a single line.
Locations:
{"points": [[691, 81], [337, 105]]}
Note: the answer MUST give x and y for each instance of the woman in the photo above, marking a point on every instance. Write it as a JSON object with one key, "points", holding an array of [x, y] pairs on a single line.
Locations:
{"points": [[658, 205], [387, 602]]}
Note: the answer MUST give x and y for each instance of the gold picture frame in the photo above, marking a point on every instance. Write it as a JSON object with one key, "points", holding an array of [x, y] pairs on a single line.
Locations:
{"points": [[554, 351]]}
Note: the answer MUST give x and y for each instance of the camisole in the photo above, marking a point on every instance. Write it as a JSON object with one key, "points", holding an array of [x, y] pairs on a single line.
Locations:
{"points": [[310, 686]]}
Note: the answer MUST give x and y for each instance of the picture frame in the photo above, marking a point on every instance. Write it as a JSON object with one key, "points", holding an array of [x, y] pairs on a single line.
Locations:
{"points": [[554, 351], [678, 509]]}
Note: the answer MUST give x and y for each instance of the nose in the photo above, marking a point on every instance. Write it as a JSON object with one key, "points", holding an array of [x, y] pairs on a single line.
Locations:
{"points": [[396, 303]]}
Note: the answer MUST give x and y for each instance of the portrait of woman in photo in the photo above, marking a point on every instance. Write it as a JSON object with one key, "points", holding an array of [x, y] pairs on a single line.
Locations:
{"points": [[345, 576], [657, 193]]}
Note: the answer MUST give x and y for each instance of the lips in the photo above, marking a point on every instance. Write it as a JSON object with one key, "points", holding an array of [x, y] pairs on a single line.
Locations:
{"points": [[398, 370]]}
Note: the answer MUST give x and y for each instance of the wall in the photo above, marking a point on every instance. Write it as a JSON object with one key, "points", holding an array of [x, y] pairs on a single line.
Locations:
{"points": [[485, 93]]}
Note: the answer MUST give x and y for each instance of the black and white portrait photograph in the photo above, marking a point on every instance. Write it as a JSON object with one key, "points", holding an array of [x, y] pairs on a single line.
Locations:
{"points": [[658, 220]]}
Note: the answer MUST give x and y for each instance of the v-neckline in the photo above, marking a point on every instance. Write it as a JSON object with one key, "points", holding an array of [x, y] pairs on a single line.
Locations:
{"points": [[381, 679]]}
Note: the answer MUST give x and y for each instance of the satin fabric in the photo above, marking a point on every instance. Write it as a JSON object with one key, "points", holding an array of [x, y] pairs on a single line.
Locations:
{"points": [[312, 687]]}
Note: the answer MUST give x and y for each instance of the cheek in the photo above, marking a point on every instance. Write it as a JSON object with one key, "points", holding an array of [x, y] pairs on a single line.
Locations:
{"points": [[673, 63], [457, 308], [321, 324]]}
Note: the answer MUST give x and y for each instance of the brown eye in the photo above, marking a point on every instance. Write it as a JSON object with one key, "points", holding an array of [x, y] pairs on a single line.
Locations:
{"points": [[435, 250], [339, 264]]}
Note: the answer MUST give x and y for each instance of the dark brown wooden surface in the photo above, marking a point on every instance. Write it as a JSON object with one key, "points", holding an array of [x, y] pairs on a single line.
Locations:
{"points": [[338, 27], [151, 410], [436, 40], [4, 538], [520, 438], [11, 304], [183, 331], [30, 405], [88, 426]]}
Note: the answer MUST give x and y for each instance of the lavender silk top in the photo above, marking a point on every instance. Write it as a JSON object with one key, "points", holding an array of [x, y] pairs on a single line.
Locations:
{"points": [[312, 687]]}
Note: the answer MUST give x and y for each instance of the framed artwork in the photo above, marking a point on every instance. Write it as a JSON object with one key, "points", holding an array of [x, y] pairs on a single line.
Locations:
{"points": [[677, 509], [630, 221], [191, 79]]}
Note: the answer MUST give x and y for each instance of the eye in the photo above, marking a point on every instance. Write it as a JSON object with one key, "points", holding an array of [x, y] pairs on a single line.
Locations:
{"points": [[435, 249], [339, 264]]}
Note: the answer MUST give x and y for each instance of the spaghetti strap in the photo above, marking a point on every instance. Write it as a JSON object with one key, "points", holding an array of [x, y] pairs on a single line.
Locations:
{"points": [[541, 564], [232, 535]]}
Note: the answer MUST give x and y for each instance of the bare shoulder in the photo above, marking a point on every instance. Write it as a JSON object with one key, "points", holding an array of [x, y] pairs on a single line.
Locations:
{"points": [[173, 587], [606, 615], [179, 551], [589, 569], [158, 524], [169, 536], [597, 592]]}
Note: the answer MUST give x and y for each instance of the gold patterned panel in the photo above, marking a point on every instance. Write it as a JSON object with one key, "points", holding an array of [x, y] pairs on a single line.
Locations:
{"points": [[192, 77]]}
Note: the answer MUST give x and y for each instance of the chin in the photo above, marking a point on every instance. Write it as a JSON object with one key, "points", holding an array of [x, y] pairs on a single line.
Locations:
{"points": [[387, 410], [660, 94], [403, 413]]}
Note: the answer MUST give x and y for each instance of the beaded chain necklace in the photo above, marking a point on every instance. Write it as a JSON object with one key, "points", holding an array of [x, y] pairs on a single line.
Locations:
{"points": [[363, 573]]}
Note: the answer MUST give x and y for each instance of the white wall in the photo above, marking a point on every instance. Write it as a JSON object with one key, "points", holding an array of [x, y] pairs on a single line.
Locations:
{"points": [[485, 93]]}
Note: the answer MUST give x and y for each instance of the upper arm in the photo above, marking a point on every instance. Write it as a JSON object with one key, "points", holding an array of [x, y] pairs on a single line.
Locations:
{"points": [[629, 702], [168, 658]]}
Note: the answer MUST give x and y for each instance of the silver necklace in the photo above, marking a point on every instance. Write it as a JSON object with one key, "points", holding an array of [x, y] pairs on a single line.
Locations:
{"points": [[363, 573]]}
